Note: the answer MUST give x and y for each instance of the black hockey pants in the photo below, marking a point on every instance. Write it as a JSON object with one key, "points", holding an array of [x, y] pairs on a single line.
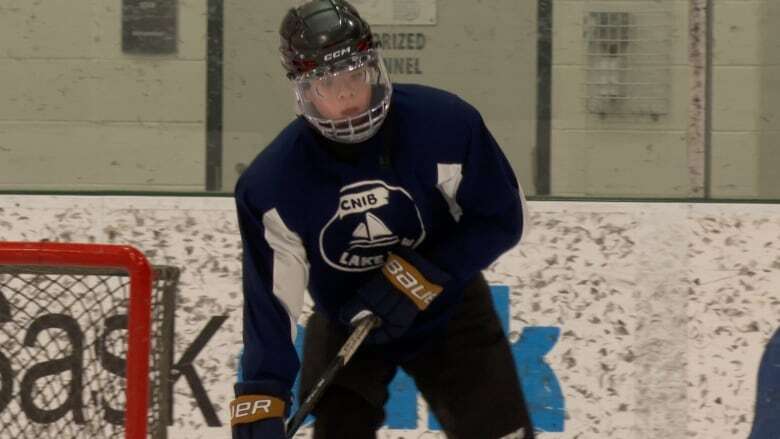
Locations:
{"points": [[468, 378]]}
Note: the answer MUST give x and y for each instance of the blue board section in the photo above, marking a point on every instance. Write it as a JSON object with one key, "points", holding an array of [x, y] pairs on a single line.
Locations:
{"points": [[401, 408]]}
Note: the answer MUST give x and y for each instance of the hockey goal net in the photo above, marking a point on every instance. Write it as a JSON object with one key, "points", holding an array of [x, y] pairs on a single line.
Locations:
{"points": [[70, 365]]}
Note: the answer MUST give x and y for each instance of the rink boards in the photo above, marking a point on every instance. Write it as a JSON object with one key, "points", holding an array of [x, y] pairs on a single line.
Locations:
{"points": [[628, 320]]}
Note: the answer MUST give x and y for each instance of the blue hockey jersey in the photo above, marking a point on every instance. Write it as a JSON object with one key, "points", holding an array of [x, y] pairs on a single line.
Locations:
{"points": [[437, 182]]}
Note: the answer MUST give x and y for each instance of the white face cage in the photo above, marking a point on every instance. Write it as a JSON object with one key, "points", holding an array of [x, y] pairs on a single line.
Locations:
{"points": [[364, 74]]}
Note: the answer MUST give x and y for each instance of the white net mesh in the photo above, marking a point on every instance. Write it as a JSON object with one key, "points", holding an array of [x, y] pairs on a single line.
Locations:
{"points": [[63, 344]]}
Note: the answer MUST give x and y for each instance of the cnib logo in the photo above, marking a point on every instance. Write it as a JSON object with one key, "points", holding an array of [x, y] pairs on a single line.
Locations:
{"points": [[370, 217]]}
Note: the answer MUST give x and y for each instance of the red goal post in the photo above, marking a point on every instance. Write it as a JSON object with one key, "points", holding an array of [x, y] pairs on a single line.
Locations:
{"points": [[82, 258]]}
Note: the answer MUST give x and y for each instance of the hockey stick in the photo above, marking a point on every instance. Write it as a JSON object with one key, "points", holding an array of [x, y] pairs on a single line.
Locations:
{"points": [[347, 350]]}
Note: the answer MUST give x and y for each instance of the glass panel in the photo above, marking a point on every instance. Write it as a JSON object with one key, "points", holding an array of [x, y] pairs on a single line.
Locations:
{"points": [[619, 111], [102, 95], [746, 100], [588, 98], [488, 58]]}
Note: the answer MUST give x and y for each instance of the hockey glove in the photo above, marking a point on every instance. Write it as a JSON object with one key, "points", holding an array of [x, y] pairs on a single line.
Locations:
{"points": [[259, 410], [405, 285]]}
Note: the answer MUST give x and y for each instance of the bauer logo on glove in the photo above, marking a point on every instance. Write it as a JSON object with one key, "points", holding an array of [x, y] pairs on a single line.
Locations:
{"points": [[410, 281], [251, 408]]}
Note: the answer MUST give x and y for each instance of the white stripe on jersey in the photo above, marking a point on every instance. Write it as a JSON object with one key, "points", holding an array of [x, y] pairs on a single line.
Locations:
{"points": [[290, 264], [448, 176], [526, 218]]}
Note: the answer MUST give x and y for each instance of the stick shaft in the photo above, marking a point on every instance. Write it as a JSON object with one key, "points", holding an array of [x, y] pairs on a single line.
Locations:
{"points": [[345, 353]]}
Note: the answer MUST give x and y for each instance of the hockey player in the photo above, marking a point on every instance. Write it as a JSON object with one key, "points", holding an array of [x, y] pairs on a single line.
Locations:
{"points": [[384, 200]]}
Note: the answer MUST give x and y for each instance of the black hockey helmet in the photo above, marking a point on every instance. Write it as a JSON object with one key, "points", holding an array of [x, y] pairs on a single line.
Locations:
{"points": [[320, 33], [340, 81]]}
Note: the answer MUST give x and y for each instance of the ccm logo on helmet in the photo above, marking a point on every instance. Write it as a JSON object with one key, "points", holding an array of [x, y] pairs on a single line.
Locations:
{"points": [[338, 54]]}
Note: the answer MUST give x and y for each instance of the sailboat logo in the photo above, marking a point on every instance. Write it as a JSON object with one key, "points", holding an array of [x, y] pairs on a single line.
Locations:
{"points": [[372, 233], [370, 218]]}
